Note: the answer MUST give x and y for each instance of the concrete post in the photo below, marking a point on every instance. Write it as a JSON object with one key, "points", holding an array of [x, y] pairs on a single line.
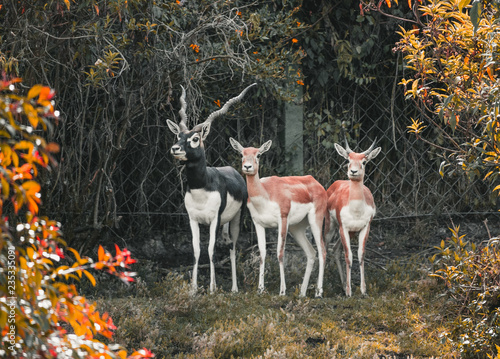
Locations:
{"points": [[294, 128]]}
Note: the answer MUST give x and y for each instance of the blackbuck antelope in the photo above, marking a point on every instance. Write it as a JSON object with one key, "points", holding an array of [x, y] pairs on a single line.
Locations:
{"points": [[214, 195], [351, 206], [289, 204]]}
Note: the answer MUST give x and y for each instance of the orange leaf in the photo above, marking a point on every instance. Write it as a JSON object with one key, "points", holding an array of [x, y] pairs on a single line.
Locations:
{"points": [[31, 186], [46, 93], [118, 251], [52, 147], [100, 254], [32, 205], [24, 145], [388, 2], [490, 73], [34, 91]]}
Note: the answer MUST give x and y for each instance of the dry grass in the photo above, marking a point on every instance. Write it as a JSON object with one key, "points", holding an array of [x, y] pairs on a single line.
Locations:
{"points": [[400, 318]]}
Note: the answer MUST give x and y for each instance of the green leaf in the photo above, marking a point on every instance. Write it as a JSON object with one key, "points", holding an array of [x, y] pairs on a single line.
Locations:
{"points": [[475, 14]]}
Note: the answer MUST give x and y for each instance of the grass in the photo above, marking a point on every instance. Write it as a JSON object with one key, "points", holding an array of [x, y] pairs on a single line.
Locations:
{"points": [[399, 318]]}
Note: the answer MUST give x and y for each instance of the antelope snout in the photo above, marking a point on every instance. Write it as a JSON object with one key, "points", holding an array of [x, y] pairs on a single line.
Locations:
{"points": [[175, 149], [247, 168], [178, 153]]}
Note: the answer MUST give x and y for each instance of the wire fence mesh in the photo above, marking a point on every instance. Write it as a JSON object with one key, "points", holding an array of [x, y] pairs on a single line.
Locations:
{"points": [[146, 185]]}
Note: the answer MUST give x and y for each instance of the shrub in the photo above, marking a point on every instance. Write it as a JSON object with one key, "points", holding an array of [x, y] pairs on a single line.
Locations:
{"points": [[42, 315], [472, 284]]}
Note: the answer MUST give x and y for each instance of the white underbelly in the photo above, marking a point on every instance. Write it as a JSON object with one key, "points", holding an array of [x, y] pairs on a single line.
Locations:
{"points": [[268, 214], [264, 212], [299, 211], [232, 209]]}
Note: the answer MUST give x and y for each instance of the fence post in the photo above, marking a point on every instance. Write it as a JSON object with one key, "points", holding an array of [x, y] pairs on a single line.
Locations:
{"points": [[294, 127]]}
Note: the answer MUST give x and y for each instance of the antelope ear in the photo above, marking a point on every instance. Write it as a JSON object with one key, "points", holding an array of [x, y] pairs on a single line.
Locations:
{"points": [[374, 153], [236, 145], [341, 151], [173, 127], [205, 130], [265, 147]]}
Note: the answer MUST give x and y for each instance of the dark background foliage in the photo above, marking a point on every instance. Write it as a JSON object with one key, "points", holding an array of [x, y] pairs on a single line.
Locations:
{"points": [[117, 68]]}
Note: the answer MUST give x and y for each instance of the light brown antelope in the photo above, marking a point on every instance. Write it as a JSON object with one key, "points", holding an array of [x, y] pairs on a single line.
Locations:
{"points": [[215, 195], [289, 204], [351, 206]]}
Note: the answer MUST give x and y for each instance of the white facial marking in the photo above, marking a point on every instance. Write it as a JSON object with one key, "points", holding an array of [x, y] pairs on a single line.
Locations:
{"points": [[194, 141]]}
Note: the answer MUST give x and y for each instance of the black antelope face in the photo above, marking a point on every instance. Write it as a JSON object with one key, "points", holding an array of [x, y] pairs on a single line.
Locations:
{"points": [[189, 146]]}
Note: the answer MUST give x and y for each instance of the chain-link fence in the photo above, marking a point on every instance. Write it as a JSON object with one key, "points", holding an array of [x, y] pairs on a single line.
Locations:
{"points": [[146, 185]]}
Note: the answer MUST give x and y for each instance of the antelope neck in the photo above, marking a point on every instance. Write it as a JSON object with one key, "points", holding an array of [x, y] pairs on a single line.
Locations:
{"points": [[196, 173], [356, 190], [255, 187]]}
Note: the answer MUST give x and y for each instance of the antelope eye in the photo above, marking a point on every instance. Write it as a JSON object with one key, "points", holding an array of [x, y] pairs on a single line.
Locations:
{"points": [[195, 139]]}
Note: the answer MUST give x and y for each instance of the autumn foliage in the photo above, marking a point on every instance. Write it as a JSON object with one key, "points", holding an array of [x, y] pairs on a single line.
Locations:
{"points": [[453, 64], [41, 312]]}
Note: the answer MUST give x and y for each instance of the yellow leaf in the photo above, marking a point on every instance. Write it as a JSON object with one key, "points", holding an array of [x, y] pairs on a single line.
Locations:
{"points": [[5, 187], [7, 154], [15, 159], [90, 277], [31, 252], [75, 253], [462, 4], [34, 91], [488, 174], [414, 87], [72, 276]]}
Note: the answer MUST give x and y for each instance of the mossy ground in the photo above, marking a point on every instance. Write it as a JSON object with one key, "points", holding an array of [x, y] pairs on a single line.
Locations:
{"points": [[400, 317], [403, 315]]}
